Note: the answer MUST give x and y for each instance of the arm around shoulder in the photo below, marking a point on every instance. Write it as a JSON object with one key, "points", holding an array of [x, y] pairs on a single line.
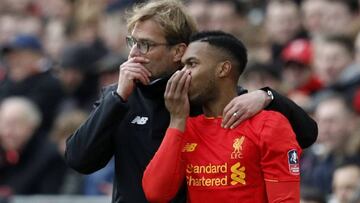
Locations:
{"points": [[304, 126]]}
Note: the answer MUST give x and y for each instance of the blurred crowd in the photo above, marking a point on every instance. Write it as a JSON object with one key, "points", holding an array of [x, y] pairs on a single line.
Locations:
{"points": [[56, 55]]}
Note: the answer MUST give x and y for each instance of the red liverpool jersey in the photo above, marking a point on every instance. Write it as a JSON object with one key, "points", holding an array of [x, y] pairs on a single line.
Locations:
{"points": [[254, 163]]}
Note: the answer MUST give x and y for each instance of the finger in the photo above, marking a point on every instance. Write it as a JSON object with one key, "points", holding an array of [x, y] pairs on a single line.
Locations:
{"points": [[228, 107], [231, 117], [139, 59], [139, 69], [174, 81], [170, 84], [138, 72], [138, 66], [133, 75], [231, 120], [226, 114], [181, 82], [237, 122], [187, 84]]}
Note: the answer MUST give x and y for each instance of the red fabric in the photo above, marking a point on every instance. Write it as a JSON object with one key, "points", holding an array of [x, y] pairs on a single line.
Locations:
{"points": [[223, 165], [165, 172], [283, 192], [299, 50], [12, 157], [356, 101], [311, 86]]}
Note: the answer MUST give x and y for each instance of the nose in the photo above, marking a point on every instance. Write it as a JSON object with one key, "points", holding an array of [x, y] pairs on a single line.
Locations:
{"points": [[134, 51]]}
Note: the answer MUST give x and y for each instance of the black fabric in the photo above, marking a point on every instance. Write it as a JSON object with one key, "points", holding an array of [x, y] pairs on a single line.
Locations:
{"points": [[39, 171], [43, 89], [132, 131], [305, 128]]}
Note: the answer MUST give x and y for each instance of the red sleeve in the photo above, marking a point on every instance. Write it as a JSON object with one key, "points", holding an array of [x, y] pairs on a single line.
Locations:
{"points": [[280, 153], [283, 192], [166, 171]]}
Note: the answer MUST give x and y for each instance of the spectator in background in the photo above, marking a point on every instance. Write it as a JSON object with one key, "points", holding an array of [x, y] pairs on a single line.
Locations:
{"points": [[282, 25], [64, 124], [200, 11], [108, 69], [33, 164], [228, 16], [259, 75], [28, 76], [357, 48], [338, 17], [311, 195], [336, 123], [113, 31], [8, 27], [312, 16], [76, 72], [334, 65], [54, 38], [346, 182], [297, 73]]}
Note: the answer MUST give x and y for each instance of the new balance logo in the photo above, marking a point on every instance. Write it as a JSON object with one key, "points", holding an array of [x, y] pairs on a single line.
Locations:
{"points": [[140, 120], [189, 147]]}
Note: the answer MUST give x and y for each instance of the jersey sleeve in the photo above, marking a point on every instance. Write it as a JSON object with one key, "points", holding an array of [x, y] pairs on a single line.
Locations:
{"points": [[280, 154], [166, 171]]}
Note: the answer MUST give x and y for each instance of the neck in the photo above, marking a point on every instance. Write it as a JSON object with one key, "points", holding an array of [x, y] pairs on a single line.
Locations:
{"points": [[215, 107]]}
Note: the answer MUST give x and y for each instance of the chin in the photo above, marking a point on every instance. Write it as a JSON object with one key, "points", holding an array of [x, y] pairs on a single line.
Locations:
{"points": [[195, 100]]}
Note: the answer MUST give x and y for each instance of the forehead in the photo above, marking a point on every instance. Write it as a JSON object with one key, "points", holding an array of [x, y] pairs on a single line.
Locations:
{"points": [[198, 50], [148, 29]]}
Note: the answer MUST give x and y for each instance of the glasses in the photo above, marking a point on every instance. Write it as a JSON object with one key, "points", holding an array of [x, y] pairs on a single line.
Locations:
{"points": [[143, 45]]}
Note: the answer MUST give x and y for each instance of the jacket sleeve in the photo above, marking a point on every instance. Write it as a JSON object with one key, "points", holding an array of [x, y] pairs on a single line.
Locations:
{"points": [[91, 146], [304, 126], [166, 171]]}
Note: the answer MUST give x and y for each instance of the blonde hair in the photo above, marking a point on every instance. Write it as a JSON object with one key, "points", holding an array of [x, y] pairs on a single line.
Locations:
{"points": [[177, 25], [28, 111]]}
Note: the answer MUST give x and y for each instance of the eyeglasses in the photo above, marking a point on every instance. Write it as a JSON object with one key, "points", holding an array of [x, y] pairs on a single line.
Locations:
{"points": [[143, 45]]}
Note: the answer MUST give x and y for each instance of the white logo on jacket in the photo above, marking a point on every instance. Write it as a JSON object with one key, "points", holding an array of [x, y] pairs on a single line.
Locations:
{"points": [[140, 120]]}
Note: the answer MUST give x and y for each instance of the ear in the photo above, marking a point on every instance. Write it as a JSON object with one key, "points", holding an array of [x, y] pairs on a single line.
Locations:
{"points": [[179, 51], [223, 69]]}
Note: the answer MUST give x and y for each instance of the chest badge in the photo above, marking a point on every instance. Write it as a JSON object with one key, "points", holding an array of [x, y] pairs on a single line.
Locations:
{"points": [[237, 145]]}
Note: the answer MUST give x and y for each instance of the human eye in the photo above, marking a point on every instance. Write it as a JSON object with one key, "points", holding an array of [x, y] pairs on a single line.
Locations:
{"points": [[191, 64], [143, 46]]}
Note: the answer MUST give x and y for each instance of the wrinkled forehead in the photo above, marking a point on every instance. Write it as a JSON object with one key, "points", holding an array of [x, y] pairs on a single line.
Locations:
{"points": [[148, 30]]}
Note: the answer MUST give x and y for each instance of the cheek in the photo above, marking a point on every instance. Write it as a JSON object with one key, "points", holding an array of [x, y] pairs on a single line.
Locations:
{"points": [[199, 80]]}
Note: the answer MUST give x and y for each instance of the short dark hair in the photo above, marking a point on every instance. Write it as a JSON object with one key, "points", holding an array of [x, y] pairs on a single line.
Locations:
{"points": [[227, 43]]}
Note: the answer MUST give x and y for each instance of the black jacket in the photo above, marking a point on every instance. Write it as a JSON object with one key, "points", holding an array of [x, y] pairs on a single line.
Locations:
{"points": [[133, 130], [39, 170]]}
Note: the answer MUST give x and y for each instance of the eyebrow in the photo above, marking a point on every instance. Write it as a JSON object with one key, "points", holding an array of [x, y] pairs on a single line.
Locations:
{"points": [[142, 39], [189, 59]]}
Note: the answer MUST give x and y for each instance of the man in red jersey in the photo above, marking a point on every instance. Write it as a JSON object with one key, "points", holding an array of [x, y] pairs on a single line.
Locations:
{"points": [[256, 162]]}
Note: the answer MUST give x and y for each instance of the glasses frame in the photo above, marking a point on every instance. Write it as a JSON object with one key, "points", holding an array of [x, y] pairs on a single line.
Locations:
{"points": [[143, 46]]}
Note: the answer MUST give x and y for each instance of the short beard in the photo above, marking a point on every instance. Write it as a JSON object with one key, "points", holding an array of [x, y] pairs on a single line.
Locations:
{"points": [[207, 94]]}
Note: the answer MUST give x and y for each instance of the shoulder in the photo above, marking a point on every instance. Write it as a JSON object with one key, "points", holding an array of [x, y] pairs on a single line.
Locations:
{"points": [[109, 88], [267, 119]]}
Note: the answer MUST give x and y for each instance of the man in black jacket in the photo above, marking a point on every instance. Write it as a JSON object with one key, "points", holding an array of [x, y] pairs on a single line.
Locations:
{"points": [[130, 120]]}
